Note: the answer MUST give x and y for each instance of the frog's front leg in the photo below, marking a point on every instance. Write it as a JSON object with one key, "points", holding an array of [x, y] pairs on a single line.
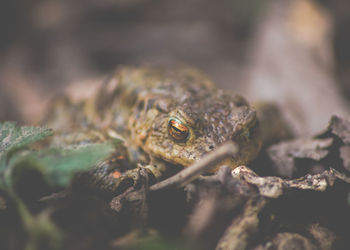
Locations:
{"points": [[142, 175], [112, 180], [157, 168]]}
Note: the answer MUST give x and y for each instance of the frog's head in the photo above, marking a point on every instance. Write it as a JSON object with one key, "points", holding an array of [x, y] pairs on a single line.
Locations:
{"points": [[182, 131]]}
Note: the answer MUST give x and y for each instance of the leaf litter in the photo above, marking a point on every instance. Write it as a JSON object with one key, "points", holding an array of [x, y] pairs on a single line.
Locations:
{"points": [[232, 209]]}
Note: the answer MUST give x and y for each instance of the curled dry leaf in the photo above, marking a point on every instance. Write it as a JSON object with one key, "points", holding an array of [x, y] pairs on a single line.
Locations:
{"points": [[273, 186], [335, 138], [340, 127], [284, 154]]}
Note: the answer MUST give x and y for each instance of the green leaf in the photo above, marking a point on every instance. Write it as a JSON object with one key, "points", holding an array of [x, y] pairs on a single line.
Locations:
{"points": [[56, 165], [59, 165], [13, 137]]}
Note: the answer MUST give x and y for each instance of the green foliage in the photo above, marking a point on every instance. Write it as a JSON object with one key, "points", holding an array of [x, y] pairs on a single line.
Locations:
{"points": [[59, 165], [56, 165], [13, 138]]}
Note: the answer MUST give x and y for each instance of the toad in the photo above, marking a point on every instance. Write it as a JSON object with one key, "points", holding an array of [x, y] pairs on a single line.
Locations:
{"points": [[166, 117]]}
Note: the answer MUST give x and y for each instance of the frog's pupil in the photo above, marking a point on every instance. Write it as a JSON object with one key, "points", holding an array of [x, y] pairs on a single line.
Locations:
{"points": [[177, 130]]}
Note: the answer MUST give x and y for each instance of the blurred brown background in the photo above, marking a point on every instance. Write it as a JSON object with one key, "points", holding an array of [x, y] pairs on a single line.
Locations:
{"points": [[294, 53]]}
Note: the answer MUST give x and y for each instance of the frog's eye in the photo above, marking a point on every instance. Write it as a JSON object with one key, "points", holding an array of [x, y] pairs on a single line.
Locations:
{"points": [[177, 130]]}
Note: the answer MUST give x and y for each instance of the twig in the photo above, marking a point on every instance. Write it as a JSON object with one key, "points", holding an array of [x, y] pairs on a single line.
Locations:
{"points": [[188, 174], [182, 178]]}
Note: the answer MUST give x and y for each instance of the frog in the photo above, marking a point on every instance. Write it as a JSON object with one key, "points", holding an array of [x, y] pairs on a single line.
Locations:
{"points": [[166, 117]]}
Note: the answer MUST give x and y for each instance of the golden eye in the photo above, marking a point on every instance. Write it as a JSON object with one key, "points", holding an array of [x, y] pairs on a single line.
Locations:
{"points": [[177, 130]]}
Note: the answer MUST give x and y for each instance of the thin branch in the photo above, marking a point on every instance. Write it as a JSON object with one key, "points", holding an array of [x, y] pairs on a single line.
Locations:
{"points": [[182, 178], [188, 174]]}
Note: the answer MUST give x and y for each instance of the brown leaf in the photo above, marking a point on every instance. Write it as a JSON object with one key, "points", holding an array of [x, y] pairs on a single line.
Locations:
{"points": [[283, 154], [273, 186], [341, 128]]}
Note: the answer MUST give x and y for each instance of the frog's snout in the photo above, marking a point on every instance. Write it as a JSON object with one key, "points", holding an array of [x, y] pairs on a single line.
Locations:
{"points": [[249, 115], [243, 120]]}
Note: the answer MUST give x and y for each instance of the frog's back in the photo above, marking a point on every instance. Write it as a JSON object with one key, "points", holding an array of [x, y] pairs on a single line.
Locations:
{"points": [[129, 82], [110, 107], [120, 93]]}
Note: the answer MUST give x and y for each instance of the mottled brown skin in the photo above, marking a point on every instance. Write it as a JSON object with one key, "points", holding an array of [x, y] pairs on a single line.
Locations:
{"points": [[212, 117], [137, 103]]}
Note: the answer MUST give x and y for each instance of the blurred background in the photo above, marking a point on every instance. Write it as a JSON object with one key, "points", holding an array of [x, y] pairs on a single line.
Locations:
{"points": [[295, 53]]}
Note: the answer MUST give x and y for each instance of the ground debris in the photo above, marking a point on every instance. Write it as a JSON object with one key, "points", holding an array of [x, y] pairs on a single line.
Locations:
{"points": [[288, 241], [238, 209], [340, 127], [273, 186], [284, 154], [297, 157], [215, 198], [243, 227], [178, 180], [324, 237]]}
